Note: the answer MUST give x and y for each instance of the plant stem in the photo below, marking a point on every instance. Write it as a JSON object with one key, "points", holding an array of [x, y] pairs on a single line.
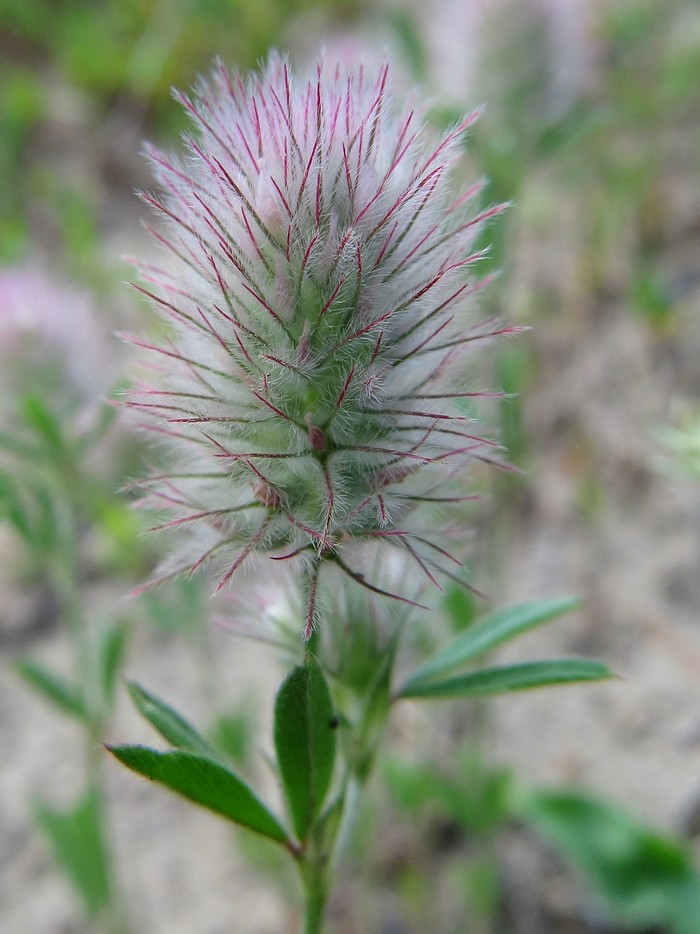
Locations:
{"points": [[314, 868], [329, 838], [316, 898], [66, 580], [325, 852]]}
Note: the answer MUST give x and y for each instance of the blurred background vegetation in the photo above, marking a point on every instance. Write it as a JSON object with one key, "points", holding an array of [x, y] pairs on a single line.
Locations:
{"points": [[591, 130]]}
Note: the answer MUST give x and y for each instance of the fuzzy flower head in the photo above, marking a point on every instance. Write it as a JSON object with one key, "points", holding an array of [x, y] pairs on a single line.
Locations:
{"points": [[317, 302]]}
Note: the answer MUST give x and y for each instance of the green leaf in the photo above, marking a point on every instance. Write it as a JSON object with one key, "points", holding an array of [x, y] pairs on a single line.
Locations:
{"points": [[37, 414], [492, 630], [468, 793], [110, 653], [170, 724], [511, 678], [305, 742], [329, 821], [459, 605], [78, 844], [205, 782], [13, 507], [645, 879], [52, 687], [53, 527]]}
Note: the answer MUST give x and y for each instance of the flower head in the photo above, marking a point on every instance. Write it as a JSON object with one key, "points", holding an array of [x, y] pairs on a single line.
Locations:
{"points": [[306, 389]]}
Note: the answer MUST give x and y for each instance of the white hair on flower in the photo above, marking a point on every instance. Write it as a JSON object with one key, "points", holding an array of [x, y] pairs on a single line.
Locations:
{"points": [[316, 293]]}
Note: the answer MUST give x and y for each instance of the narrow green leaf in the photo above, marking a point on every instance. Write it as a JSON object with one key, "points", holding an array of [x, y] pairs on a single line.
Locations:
{"points": [[329, 821], [52, 687], [644, 878], [204, 782], [459, 605], [490, 631], [52, 526], [170, 724], [13, 507], [37, 414], [110, 648], [511, 678], [77, 841], [305, 742]]}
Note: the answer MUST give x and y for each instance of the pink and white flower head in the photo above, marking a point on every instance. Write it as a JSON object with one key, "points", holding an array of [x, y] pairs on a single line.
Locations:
{"points": [[50, 341], [318, 302]]}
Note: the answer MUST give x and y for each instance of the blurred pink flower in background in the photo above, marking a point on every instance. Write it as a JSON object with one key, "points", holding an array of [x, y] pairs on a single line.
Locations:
{"points": [[51, 341]]}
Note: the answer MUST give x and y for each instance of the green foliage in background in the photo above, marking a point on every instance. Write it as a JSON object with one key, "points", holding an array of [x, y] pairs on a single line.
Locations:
{"points": [[638, 877], [643, 878], [144, 47], [104, 60], [76, 836], [607, 152]]}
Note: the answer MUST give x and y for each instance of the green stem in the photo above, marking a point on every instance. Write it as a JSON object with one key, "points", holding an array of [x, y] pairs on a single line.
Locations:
{"points": [[314, 866], [328, 841], [66, 580], [320, 863], [316, 898]]}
